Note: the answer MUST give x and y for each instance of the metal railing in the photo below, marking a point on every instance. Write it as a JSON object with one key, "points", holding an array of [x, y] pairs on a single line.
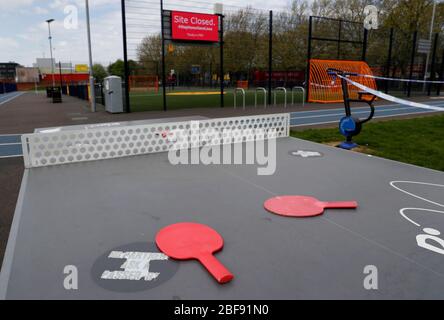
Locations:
{"points": [[285, 94], [235, 97], [303, 95], [265, 96]]}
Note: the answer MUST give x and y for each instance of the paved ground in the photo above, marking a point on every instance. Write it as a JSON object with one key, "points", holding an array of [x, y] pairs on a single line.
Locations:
{"points": [[30, 111], [11, 172]]}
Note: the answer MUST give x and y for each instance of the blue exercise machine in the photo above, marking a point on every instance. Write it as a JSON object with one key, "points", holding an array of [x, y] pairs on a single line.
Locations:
{"points": [[350, 126]]}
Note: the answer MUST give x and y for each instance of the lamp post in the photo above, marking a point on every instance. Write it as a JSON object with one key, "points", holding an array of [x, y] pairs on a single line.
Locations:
{"points": [[50, 48], [91, 76], [432, 22]]}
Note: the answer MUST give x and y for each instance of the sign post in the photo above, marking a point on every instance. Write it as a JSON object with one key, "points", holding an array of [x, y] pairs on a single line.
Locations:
{"points": [[270, 56], [191, 28], [162, 22], [187, 26], [221, 44], [424, 46]]}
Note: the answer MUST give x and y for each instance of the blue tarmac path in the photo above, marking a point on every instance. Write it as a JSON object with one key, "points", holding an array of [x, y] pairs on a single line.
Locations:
{"points": [[10, 146], [6, 97]]}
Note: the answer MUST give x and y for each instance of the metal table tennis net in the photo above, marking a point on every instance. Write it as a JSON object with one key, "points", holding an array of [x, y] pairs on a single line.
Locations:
{"points": [[55, 148]]}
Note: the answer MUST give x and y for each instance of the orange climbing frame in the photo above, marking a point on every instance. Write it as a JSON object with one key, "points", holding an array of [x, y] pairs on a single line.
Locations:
{"points": [[324, 89]]}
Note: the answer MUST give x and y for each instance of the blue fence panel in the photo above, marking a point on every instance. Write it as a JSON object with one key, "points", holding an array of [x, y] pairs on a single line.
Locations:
{"points": [[6, 87]]}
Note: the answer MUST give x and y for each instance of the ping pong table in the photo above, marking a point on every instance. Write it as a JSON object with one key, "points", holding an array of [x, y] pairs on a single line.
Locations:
{"points": [[95, 216]]}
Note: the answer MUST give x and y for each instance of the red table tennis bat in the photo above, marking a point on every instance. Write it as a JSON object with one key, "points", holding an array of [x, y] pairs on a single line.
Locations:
{"points": [[303, 206], [186, 241]]}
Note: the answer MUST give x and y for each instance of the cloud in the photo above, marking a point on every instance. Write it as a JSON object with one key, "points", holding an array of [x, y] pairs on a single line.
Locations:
{"points": [[8, 43], [8, 5], [40, 11], [57, 4]]}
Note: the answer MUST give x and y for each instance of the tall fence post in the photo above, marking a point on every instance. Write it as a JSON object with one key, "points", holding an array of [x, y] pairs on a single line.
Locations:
{"points": [[125, 59], [307, 71], [162, 26], [339, 38], [389, 60], [432, 67], [441, 74], [270, 56], [221, 63], [412, 61], [61, 77], [211, 74], [364, 45]]}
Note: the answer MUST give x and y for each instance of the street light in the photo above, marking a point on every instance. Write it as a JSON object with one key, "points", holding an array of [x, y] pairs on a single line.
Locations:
{"points": [[91, 75], [50, 48], [432, 22]]}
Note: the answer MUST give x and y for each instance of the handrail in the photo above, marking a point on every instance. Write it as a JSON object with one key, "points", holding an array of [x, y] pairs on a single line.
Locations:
{"points": [[265, 96], [303, 95], [285, 92], [235, 95]]}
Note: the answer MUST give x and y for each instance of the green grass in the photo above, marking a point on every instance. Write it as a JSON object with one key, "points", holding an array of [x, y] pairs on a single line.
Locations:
{"points": [[418, 141], [151, 101]]}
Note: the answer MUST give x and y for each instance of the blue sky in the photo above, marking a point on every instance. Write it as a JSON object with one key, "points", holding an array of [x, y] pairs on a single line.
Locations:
{"points": [[24, 32]]}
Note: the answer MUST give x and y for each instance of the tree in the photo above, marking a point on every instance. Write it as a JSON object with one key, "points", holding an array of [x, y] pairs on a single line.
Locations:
{"points": [[149, 54], [118, 68], [99, 72]]}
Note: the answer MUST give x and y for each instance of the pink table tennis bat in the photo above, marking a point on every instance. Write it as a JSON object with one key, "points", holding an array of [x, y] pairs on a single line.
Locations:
{"points": [[303, 206], [186, 241]]}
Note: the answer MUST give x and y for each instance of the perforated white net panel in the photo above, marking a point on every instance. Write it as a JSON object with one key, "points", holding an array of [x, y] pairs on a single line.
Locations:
{"points": [[55, 148]]}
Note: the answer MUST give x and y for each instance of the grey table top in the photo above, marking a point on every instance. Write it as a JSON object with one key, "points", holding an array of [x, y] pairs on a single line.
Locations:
{"points": [[77, 214]]}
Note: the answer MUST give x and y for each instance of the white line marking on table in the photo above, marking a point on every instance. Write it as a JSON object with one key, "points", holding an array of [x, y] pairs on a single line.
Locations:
{"points": [[393, 184], [402, 212]]}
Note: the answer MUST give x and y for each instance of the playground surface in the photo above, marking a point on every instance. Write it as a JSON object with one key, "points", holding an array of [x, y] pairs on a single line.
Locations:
{"points": [[119, 205]]}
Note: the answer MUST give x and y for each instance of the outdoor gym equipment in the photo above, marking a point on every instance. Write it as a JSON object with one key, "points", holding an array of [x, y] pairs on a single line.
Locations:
{"points": [[350, 126]]}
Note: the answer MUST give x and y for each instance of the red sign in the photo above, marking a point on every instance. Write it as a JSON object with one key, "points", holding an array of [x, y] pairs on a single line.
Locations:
{"points": [[190, 26]]}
